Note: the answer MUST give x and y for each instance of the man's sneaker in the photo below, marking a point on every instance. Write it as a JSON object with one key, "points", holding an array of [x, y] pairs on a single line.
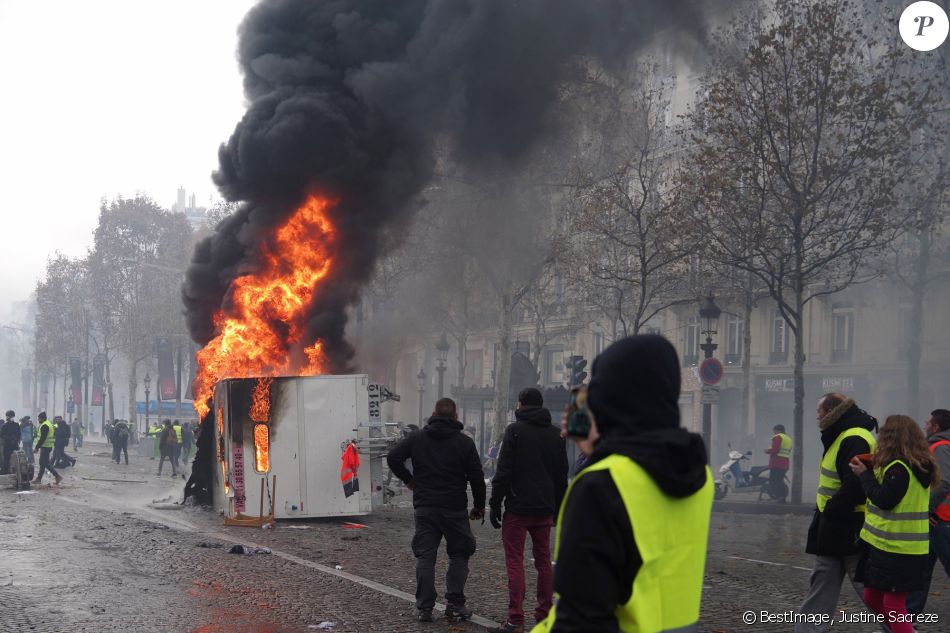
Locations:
{"points": [[36, 482], [59, 478], [425, 615], [455, 612], [507, 627]]}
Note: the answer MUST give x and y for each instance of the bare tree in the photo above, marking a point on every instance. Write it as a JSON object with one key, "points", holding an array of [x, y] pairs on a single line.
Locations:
{"points": [[799, 149]]}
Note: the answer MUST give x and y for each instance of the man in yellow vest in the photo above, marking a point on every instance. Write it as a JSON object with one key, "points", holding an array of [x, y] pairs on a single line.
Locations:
{"points": [[937, 430], [44, 446], [633, 528], [846, 431], [779, 452]]}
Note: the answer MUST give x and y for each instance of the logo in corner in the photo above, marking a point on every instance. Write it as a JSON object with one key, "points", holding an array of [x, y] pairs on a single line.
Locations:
{"points": [[924, 26]]}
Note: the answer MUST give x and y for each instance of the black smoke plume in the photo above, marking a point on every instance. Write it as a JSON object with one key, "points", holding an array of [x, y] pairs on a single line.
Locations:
{"points": [[348, 97]]}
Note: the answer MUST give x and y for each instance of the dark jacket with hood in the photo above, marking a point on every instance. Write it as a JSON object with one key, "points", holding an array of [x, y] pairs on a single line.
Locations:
{"points": [[444, 461], [10, 434], [834, 532], [531, 476], [633, 395], [888, 571]]}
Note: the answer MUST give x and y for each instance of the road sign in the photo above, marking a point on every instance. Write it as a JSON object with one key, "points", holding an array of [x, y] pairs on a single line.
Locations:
{"points": [[710, 395], [710, 371]]}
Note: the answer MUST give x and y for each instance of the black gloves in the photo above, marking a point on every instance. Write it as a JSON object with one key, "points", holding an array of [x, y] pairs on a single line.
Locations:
{"points": [[495, 517]]}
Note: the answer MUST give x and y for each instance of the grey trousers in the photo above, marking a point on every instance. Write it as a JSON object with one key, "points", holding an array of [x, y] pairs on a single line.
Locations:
{"points": [[431, 525], [824, 589]]}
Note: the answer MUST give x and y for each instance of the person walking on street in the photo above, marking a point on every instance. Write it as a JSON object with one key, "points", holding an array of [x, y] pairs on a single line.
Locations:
{"points": [[74, 432], [27, 434], [176, 457], [120, 442], [633, 528], [166, 441], [846, 431], [9, 439], [187, 440], [894, 538], [60, 458], [779, 452], [530, 479], [937, 430], [44, 446], [444, 463]]}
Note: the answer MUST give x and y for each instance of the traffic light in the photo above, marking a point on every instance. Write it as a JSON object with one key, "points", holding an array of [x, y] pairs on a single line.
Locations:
{"points": [[575, 368]]}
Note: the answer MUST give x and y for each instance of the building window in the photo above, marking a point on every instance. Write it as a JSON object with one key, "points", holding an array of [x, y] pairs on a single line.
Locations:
{"points": [[842, 333], [598, 343], [778, 350], [735, 332], [473, 367], [691, 351], [554, 370]]}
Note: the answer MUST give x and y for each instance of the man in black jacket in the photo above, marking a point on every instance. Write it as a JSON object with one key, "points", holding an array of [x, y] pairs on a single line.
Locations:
{"points": [[833, 534], [444, 463], [531, 479], [9, 439]]}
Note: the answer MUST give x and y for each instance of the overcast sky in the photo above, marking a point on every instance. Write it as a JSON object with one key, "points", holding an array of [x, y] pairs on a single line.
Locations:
{"points": [[101, 98]]}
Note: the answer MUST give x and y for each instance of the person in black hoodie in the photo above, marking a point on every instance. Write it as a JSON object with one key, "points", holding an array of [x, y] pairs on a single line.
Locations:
{"points": [[833, 533], [9, 439], [531, 479], [646, 477], [444, 463]]}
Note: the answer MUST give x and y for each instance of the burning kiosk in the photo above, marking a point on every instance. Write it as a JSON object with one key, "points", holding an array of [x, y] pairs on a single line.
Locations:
{"points": [[294, 431]]}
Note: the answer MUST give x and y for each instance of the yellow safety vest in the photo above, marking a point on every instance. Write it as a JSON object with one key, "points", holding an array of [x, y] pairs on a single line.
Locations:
{"points": [[671, 536], [828, 481], [177, 432], [785, 450], [903, 529], [50, 440]]}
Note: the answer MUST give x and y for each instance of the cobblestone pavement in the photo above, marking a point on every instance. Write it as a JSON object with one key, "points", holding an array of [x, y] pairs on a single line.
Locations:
{"points": [[104, 556]]}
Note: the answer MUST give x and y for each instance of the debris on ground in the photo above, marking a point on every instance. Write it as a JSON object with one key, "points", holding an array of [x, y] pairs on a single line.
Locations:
{"points": [[338, 566], [354, 526], [326, 625], [244, 549], [297, 527], [25, 492], [352, 538], [208, 544]]}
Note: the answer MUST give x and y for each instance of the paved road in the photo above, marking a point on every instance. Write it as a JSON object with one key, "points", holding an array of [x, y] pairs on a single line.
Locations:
{"points": [[102, 556]]}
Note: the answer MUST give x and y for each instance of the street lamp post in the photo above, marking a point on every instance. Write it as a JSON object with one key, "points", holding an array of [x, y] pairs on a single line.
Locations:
{"points": [[442, 347], [147, 381], [422, 389], [709, 313]]}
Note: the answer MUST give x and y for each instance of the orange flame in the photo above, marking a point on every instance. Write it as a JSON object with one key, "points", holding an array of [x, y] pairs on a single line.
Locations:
{"points": [[260, 400], [261, 448], [261, 333]]}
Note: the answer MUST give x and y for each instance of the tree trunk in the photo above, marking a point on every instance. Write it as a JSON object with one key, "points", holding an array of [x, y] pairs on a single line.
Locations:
{"points": [[916, 325], [746, 357], [132, 384], [502, 367], [109, 383], [799, 409]]}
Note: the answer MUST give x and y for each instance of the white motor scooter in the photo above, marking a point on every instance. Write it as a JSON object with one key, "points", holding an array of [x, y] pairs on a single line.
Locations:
{"points": [[755, 479]]}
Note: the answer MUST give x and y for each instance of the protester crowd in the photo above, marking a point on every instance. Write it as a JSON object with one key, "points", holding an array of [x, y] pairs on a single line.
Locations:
{"points": [[631, 522]]}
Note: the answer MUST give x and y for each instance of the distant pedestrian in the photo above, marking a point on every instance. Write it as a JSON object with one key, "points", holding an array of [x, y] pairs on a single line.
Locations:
{"points": [[63, 433], [166, 442], [9, 440], [107, 429], [74, 431], [846, 432], [937, 430], [779, 452], [531, 479], [176, 427], [444, 463], [187, 440], [895, 552], [120, 442], [45, 441], [27, 435]]}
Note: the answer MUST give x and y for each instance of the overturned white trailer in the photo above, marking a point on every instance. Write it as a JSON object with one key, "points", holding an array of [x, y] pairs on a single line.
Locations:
{"points": [[282, 443]]}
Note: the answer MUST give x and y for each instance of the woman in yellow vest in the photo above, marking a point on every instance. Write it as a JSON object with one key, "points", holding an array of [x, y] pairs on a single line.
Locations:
{"points": [[896, 534], [633, 526]]}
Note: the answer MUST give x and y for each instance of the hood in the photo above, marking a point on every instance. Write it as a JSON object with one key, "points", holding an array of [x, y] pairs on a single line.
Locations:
{"points": [[440, 428], [940, 436], [845, 416], [538, 416], [635, 386], [674, 458], [922, 475]]}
